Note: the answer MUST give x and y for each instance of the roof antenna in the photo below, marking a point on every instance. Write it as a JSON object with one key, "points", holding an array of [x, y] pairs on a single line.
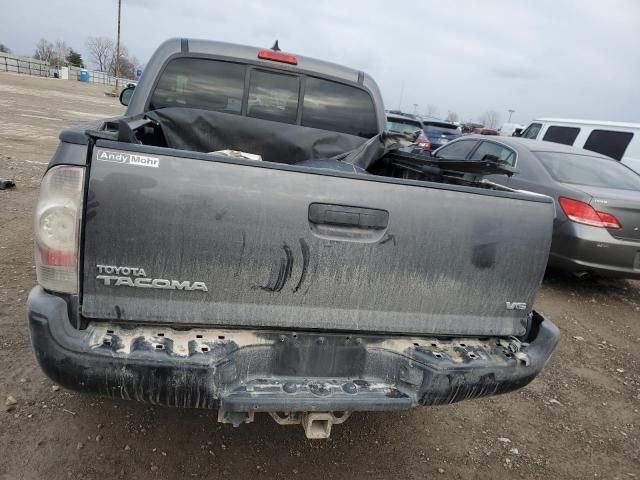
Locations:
{"points": [[276, 47]]}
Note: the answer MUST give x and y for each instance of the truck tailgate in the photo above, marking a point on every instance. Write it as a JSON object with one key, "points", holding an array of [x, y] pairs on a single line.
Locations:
{"points": [[193, 239]]}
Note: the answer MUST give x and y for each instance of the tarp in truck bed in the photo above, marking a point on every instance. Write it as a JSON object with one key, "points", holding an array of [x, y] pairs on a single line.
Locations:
{"points": [[206, 131]]}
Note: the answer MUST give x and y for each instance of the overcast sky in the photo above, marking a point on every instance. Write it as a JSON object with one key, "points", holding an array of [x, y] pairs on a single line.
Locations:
{"points": [[572, 58]]}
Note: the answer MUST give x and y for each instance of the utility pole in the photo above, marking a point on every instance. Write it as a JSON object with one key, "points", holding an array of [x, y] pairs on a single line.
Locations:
{"points": [[117, 72], [415, 108], [511, 112], [401, 95]]}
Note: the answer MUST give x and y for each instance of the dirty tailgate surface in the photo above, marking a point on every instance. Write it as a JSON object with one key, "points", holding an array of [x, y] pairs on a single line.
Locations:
{"points": [[194, 241]]}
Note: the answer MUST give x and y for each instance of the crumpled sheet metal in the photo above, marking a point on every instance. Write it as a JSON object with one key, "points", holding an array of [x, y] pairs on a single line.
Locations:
{"points": [[377, 147]]}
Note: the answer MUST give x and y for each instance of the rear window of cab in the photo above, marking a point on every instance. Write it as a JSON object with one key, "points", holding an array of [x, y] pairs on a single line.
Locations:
{"points": [[223, 86]]}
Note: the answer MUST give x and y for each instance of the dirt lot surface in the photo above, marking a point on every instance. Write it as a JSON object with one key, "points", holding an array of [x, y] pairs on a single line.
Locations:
{"points": [[580, 419]]}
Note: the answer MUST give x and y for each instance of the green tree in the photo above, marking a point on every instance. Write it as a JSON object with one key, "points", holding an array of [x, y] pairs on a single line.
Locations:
{"points": [[74, 59]]}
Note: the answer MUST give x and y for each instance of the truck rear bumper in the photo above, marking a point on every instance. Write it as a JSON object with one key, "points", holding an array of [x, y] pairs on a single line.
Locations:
{"points": [[279, 371]]}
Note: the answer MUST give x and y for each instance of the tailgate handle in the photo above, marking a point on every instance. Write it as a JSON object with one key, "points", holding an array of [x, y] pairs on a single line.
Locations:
{"points": [[344, 216]]}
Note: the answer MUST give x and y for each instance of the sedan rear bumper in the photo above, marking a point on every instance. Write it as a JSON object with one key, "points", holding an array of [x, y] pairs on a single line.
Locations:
{"points": [[253, 371], [581, 248]]}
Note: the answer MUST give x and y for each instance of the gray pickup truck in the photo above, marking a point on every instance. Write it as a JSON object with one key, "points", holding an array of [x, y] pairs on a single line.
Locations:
{"points": [[249, 238]]}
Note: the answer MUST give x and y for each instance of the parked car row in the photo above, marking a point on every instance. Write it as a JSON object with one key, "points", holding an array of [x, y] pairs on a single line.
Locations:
{"points": [[595, 188], [433, 134]]}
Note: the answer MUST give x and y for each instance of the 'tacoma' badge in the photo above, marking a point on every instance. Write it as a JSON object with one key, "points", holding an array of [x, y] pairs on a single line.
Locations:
{"points": [[114, 276]]}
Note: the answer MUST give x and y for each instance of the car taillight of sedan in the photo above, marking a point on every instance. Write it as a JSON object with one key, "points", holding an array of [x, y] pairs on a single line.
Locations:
{"points": [[580, 212], [424, 144]]}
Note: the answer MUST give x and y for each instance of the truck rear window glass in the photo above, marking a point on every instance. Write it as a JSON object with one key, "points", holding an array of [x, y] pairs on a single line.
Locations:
{"points": [[194, 83], [502, 153], [340, 108], [439, 128], [608, 142], [589, 171], [273, 96], [457, 150], [219, 86], [563, 135], [401, 125]]}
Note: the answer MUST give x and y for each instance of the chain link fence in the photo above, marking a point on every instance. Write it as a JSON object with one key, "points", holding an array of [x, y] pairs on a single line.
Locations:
{"points": [[31, 66]]}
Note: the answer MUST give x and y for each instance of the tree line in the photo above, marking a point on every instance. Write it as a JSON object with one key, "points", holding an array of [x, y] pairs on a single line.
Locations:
{"points": [[101, 52], [490, 118], [58, 54]]}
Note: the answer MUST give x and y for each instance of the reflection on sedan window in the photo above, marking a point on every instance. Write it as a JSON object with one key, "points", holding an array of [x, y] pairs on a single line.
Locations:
{"points": [[457, 150], [503, 153], [589, 171]]}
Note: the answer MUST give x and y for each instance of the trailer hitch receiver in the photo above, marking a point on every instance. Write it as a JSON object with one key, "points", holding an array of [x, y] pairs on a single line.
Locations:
{"points": [[316, 425]]}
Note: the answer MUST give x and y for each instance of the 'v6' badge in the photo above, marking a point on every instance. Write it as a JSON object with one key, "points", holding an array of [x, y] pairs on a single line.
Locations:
{"points": [[516, 306]]}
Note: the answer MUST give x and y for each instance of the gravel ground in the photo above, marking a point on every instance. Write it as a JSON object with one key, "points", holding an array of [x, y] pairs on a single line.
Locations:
{"points": [[579, 419]]}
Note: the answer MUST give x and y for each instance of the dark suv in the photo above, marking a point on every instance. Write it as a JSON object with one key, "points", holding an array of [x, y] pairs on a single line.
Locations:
{"points": [[439, 133]]}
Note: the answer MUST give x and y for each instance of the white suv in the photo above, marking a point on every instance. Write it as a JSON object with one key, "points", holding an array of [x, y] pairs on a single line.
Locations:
{"points": [[615, 139]]}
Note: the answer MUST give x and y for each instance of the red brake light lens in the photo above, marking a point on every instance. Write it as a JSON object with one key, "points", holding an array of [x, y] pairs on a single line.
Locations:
{"points": [[580, 212], [609, 221], [425, 145], [57, 259], [278, 57], [57, 228]]}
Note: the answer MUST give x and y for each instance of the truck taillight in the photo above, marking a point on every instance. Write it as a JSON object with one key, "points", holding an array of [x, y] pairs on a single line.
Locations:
{"points": [[57, 228], [580, 212]]}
